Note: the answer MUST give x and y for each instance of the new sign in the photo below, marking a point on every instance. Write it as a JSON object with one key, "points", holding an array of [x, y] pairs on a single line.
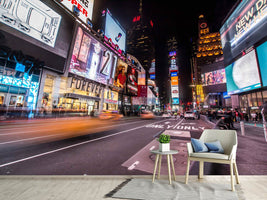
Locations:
{"points": [[83, 9], [246, 26]]}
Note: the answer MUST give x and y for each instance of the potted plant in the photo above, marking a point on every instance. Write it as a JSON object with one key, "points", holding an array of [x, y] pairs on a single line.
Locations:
{"points": [[164, 142]]}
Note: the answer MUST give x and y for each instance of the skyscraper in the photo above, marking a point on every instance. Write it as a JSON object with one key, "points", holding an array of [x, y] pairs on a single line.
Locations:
{"points": [[140, 40]]}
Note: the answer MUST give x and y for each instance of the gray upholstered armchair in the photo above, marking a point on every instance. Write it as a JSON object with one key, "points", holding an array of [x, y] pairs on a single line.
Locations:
{"points": [[228, 140]]}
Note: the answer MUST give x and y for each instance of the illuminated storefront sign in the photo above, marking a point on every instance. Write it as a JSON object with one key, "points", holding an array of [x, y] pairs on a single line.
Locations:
{"points": [[32, 18], [85, 85], [90, 59], [22, 83], [83, 9], [246, 26]]}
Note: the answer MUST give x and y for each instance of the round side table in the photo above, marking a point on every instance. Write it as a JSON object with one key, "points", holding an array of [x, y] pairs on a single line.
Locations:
{"points": [[169, 160]]}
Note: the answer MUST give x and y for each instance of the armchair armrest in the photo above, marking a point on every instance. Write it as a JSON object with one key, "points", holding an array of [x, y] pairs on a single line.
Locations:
{"points": [[189, 148], [233, 152]]}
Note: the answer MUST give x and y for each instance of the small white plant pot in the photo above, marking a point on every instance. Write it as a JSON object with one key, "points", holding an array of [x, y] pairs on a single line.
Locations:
{"points": [[164, 147]]}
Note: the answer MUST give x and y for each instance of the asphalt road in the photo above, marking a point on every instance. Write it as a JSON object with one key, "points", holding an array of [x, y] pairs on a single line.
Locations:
{"points": [[102, 148]]}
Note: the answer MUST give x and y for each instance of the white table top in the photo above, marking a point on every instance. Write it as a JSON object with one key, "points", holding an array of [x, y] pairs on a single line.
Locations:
{"points": [[164, 152]]}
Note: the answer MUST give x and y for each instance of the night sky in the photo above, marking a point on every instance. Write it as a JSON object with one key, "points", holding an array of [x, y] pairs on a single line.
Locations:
{"points": [[170, 18]]}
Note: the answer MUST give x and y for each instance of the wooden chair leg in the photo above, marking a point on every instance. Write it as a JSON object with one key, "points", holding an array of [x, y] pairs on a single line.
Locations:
{"points": [[236, 173], [232, 177], [187, 171], [201, 169]]}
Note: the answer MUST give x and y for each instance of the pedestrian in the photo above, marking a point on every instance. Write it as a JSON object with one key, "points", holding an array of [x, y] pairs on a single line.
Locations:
{"points": [[253, 116]]}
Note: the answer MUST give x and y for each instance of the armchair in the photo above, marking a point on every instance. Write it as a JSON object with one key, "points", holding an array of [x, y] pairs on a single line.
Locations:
{"points": [[228, 140]]}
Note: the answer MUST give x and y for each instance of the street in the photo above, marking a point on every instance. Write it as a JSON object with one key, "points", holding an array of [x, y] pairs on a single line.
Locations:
{"points": [[117, 148]]}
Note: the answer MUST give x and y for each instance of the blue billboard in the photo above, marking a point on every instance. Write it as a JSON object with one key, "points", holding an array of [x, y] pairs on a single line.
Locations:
{"points": [[262, 58], [175, 101]]}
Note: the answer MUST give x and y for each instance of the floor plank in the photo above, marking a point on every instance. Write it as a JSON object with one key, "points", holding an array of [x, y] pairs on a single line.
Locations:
{"points": [[95, 187]]}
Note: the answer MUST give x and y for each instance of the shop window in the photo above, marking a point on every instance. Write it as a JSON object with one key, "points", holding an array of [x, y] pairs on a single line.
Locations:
{"points": [[254, 99], [259, 97], [63, 85], [264, 95], [2, 98], [12, 101], [249, 100], [48, 91]]}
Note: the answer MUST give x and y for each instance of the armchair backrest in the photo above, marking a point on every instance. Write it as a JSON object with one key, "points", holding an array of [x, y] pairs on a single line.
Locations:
{"points": [[227, 138]]}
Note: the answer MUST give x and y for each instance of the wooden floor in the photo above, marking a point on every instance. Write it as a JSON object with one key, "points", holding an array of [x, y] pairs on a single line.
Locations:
{"points": [[95, 187]]}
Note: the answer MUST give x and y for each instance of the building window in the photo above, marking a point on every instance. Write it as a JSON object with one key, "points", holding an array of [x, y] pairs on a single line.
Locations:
{"points": [[259, 97], [254, 99], [48, 91], [264, 95]]}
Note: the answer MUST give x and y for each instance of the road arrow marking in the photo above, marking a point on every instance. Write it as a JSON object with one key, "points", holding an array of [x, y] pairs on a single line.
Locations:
{"points": [[133, 165]]}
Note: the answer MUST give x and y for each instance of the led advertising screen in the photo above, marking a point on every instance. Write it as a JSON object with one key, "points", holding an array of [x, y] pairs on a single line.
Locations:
{"points": [[174, 80], [243, 75], [83, 9], [175, 101], [132, 81], [245, 26], [114, 31], [175, 91], [32, 18], [90, 59], [262, 58], [214, 77], [120, 75]]}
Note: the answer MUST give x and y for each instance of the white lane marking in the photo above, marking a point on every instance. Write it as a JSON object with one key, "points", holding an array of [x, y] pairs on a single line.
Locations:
{"points": [[34, 138], [133, 165], [151, 148], [16, 133], [74, 145], [178, 123], [167, 122]]}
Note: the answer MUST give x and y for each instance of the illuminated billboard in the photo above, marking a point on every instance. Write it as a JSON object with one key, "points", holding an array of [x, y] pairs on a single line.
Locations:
{"points": [[82, 9], [90, 59], [175, 91], [132, 81], [245, 26], [243, 74], [120, 75], [262, 58], [114, 31], [174, 80], [214, 77], [33, 18]]}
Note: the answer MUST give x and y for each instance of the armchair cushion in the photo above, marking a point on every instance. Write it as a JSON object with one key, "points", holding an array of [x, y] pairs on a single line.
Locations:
{"points": [[208, 155], [199, 145], [215, 147]]}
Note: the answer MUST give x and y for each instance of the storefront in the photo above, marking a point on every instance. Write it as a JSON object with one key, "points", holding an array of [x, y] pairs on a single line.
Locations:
{"points": [[110, 100], [29, 51], [18, 87], [252, 102]]}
